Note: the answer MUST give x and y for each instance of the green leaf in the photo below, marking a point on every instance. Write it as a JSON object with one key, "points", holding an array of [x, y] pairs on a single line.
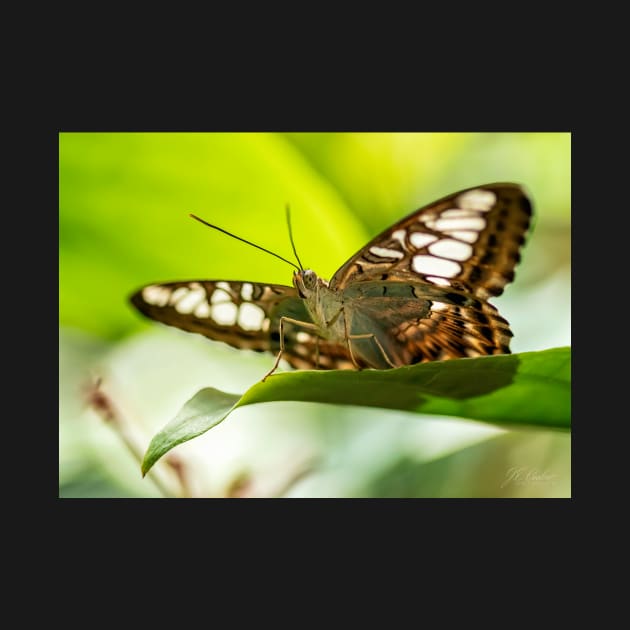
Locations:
{"points": [[531, 389], [204, 410]]}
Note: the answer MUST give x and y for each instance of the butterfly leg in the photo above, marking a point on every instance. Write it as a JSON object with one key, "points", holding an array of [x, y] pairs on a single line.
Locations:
{"points": [[349, 338], [290, 320], [376, 341]]}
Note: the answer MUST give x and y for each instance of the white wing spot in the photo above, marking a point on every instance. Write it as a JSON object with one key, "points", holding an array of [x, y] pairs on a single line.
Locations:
{"points": [[438, 306], [156, 295], [464, 235], [458, 214], [449, 248], [225, 313], [246, 291], [302, 337], [187, 304], [469, 223], [420, 240], [219, 296], [399, 235], [223, 285], [441, 282], [202, 310], [178, 294], [383, 252], [435, 266], [477, 199], [250, 316]]}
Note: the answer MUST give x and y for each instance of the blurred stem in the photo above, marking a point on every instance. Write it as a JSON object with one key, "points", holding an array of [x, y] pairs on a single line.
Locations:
{"points": [[105, 408], [244, 484], [178, 467], [302, 471]]}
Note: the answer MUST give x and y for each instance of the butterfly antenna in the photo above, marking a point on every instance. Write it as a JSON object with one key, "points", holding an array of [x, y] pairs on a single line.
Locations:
{"points": [[238, 238], [291, 237]]}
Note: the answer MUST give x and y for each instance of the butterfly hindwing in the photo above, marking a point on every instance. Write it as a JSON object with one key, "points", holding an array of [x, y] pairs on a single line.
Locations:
{"points": [[412, 323], [453, 331]]}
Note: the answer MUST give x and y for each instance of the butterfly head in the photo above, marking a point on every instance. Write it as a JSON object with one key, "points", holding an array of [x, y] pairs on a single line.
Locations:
{"points": [[306, 282]]}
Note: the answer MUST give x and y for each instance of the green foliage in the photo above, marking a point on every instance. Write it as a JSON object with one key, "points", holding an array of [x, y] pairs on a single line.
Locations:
{"points": [[383, 176], [528, 389], [124, 202]]}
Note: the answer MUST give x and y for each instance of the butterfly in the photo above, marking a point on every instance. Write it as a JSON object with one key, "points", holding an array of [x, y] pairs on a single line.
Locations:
{"points": [[416, 292]]}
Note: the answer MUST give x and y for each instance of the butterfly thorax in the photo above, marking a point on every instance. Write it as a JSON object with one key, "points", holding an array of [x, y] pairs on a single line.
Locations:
{"points": [[323, 304]]}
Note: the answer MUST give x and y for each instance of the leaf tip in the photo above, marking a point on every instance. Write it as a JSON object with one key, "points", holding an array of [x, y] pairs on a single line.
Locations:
{"points": [[147, 464]]}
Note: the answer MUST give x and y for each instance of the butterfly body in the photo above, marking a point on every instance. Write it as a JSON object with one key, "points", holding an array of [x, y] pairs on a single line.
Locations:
{"points": [[323, 305], [416, 292]]}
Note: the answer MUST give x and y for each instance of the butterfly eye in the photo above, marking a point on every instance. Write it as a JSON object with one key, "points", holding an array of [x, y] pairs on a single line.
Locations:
{"points": [[310, 279], [305, 282]]}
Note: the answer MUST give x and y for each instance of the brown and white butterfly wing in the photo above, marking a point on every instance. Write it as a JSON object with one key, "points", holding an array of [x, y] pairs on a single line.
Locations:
{"points": [[447, 258], [468, 241], [411, 323], [452, 332], [241, 314], [245, 315]]}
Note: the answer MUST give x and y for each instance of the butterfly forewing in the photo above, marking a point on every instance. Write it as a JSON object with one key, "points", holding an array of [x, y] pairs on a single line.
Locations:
{"points": [[242, 314], [245, 315], [468, 241]]}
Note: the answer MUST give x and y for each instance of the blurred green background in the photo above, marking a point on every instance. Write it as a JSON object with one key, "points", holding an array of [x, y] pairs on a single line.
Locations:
{"points": [[124, 201]]}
